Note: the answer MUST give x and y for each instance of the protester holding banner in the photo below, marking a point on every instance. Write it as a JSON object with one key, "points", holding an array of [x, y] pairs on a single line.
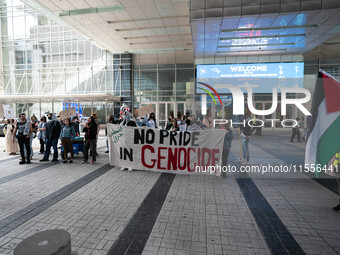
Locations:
{"points": [[145, 122], [195, 126], [170, 123], [111, 121], [175, 126], [188, 124], [67, 135], [42, 134], [90, 130], [24, 130], [208, 121], [53, 129], [183, 124], [11, 141], [152, 120]]}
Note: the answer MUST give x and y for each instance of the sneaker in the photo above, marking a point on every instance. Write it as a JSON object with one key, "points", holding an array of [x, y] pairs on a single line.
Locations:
{"points": [[70, 161], [43, 159], [130, 169], [84, 162], [241, 161], [22, 162], [64, 162], [55, 160], [93, 162], [123, 169], [337, 208]]}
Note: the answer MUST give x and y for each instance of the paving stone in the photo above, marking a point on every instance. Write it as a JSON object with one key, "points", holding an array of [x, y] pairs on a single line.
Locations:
{"points": [[201, 214]]}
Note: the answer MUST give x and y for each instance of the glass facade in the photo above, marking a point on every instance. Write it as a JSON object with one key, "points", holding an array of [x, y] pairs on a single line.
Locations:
{"points": [[171, 88], [41, 57]]}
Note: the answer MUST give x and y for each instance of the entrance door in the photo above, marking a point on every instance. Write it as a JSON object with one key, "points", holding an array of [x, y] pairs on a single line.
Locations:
{"points": [[161, 114], [165, 110]]}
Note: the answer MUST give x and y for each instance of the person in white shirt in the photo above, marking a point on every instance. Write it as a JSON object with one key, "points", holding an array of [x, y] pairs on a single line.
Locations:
{"points": [[152, 120]]}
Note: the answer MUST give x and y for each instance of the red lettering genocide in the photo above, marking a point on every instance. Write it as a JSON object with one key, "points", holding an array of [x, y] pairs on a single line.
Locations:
{"points": [[178, 159]]}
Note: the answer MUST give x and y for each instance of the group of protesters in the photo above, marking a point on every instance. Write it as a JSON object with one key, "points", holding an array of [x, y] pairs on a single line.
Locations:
{"points": [[49, 130], [19, 135], [182, 123]]}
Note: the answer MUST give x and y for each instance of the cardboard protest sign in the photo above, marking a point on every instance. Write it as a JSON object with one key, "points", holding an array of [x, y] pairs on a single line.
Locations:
{"points": [[9, 113], [145, 110], [67, 113], [165, 151]]}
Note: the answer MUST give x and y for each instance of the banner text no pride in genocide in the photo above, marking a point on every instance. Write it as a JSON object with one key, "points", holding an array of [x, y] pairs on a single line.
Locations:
{"points": [[163, 150]]}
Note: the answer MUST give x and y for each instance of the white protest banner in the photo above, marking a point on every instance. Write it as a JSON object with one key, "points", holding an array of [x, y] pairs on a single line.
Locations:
{"points": [[67, 113], [145, 110], [157, 150], [9, 113]]}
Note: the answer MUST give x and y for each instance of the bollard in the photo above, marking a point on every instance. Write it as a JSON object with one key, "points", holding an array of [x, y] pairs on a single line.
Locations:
{"points": [[49, 242]]}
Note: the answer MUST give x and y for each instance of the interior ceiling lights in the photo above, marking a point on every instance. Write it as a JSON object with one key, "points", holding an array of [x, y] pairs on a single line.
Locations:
{"points": [[255, 45], [264, 36], [112, 8]]}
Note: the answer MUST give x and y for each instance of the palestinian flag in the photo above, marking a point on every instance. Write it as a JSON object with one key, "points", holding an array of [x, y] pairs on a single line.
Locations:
{"points": [[324, 128]]}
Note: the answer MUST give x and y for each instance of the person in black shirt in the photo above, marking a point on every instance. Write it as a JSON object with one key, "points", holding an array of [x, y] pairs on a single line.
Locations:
{"points": [[91, 131], [75, 123], [53, 129], [296, 131]]}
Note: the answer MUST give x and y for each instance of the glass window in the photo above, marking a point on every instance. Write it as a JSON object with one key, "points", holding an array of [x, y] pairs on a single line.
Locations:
{"points": [[148, 80], [166, 79], [146, 67], [99, 109], [167, 66]]}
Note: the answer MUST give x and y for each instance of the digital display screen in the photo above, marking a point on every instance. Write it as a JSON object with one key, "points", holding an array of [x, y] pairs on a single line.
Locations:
{"points": [[262, 77]]}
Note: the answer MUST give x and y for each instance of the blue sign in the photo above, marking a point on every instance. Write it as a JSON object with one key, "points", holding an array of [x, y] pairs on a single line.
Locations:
{"points": [[265, 70], [261, 77]]}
